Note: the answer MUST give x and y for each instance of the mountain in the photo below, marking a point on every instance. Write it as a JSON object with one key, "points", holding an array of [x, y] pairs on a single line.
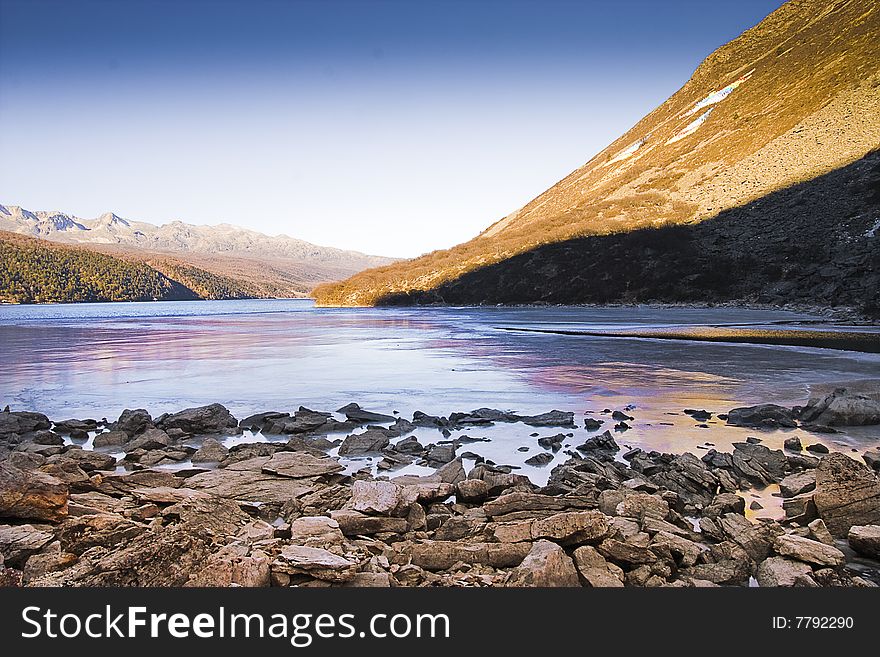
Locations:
{"points": [[757, 181], [273, 266], [37, 271]]}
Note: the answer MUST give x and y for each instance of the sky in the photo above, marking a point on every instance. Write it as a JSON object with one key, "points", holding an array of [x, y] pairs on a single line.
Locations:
{"points": [[392, 128]]}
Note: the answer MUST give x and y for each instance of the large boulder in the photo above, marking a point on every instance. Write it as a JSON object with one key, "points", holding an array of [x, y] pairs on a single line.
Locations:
{"points": [[211, 451], [571, 527], [758, 463], [355, 413], [213, 418], [865, 539], [20, 422], [18, 542], [847, 494], [842, 408], [804, 549], [768, 416], [595, 570], [354, 523], [779, 571], [546, 565], [31, 495], [299, 465], [371, 440], [132, 422]]}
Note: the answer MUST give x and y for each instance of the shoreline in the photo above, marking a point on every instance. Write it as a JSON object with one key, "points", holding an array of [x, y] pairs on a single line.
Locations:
{"points": [[287, 512], [832, 314], [863, 342]]}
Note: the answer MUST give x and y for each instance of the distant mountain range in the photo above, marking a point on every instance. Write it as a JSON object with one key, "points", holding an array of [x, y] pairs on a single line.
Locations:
{"points": [[757, 181], [265, 265]]}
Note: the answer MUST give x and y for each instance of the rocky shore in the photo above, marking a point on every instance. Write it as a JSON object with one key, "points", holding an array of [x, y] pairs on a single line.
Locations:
{"points": [[163, 502]]}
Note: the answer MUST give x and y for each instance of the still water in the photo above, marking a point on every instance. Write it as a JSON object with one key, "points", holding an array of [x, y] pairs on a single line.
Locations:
{"points": [[94, 360]]}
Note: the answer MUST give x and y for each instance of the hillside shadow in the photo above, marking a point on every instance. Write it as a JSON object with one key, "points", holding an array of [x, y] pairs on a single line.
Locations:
{"points": [[811, 243]]}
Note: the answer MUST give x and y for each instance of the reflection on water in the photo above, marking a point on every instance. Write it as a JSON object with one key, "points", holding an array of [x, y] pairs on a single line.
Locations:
{"points": [[95, 360]]}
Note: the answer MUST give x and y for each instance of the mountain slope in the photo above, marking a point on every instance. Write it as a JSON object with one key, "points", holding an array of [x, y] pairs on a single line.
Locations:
{"points": [[35, 271], [793, 99], [270, 266]]}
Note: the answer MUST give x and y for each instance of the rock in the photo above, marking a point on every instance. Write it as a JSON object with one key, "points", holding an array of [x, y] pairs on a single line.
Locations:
{"points": [[795, 484], [498, 480], [763, 415], [626, 552], [551, 419], [370, 580], [621, 417], [442, 555], [801, 507], [603, 443], [227, 567], [452, 473], [759, 464], [847, 494], [213, 418], [472, 490], [698, 415], [673, 547], [21, 422], [372, 440], [149, 439], [409, 445], [315, 562], [18, 542], [820, 532], [132, 422], [44, 437], [793, 443], [31, 495], [591, 424], [532, 505], [211, 451], [258, 421], [755, 539], [539, 459], [316, 531], [842, 408], [245, 480], [573, 527], [865, 539], [299, 465], [553, 443], [546, 565], [382, 497], [595, 570], [86, 459], [779, 571], [641, 505], [49, 560], [354, 523], [111, 439], [804, 549], [439, 454], [872, 459], [817, 448], [166, 554], [356, 414]]}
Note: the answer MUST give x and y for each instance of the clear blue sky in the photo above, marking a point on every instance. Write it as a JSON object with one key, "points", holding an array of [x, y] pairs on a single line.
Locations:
{"points": [[389, 127]]}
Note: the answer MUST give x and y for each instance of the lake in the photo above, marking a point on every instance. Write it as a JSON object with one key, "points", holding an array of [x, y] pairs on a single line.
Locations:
{"points": [[94, 360]]}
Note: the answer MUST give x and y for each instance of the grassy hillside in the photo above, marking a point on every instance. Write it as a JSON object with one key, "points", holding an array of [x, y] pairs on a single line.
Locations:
{"points": [[795, 98], [37, 271]]}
